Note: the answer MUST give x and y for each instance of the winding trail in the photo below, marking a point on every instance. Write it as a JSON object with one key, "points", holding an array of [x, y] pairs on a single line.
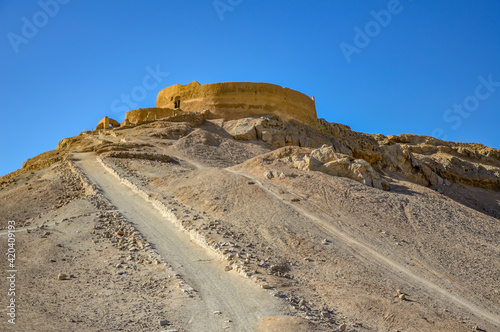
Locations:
{"points": [[448, 292], [241, 302]]}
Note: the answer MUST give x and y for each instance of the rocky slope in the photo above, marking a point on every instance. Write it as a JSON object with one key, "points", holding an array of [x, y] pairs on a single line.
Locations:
{"points": [[349, 230], [422, 159]]}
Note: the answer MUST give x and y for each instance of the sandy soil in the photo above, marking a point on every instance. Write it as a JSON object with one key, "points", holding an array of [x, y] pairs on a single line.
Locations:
{"points": [[106, 288], [241, 304], [204, 240]]}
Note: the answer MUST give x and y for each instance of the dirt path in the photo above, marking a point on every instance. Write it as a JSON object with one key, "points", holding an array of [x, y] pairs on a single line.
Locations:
{"points": [[371, 255], [367, 253], [241, 302]]}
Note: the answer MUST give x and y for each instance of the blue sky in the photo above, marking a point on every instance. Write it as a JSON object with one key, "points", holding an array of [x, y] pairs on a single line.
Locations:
{"points": [[422, 67]]}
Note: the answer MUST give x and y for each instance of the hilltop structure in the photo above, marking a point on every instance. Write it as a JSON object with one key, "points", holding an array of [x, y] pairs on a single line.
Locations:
{"points": [[229, 100], [235, 100], [107, 123], [245, 108]]}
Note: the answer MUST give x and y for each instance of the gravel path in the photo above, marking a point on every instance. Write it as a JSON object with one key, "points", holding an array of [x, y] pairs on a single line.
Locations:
{"points": [[222, 300]]}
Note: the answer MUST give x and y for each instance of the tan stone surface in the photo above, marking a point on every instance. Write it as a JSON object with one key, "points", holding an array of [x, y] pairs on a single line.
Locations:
{"points": [[425, 160], [430, 161], [333, 250], [107, 123], [234, 100], [147, 115], [419, 256], [326, 160], [282, 117]]}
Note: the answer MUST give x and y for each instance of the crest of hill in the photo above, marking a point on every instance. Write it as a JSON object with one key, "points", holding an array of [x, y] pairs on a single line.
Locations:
{"points": [[369, 214], [235, 100], [283, 117]]}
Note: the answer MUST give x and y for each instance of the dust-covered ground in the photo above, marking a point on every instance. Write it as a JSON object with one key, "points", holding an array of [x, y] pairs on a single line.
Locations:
{"points": [[105, 287], [334, 253]]}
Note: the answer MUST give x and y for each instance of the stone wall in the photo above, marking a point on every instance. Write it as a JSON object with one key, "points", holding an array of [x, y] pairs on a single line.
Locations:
{"points": [[141, 115], [236, 100], [107, 123]]}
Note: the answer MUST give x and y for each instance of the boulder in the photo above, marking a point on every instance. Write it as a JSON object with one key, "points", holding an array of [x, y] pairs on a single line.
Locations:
{"points": [[274, 131], [243, 129], [326, 160]]}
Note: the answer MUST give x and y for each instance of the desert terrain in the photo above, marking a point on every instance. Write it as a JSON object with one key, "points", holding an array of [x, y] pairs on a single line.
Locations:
{"points": [[192, 223]]}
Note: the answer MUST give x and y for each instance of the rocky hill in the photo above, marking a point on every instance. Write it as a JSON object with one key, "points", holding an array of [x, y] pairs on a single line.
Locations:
{"points": [[196, 223]]}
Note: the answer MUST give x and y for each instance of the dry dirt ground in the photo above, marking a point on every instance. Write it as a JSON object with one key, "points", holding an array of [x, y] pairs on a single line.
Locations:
{"points": [[206, 240]]}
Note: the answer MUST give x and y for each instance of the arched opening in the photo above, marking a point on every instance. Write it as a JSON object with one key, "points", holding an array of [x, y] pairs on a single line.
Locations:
{"points": [[177, 102]]}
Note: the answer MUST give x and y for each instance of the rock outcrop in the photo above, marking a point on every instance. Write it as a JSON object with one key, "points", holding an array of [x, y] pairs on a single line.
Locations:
{"points": [[425, 160], [274, 131], [430, 161], [282, 117], [326, 160]]}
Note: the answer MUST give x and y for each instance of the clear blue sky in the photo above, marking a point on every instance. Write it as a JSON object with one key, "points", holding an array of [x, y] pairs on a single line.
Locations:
{"points": [[422, 67]]}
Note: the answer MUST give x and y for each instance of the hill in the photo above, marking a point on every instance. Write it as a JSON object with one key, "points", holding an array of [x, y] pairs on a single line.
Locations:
{"points": [[197, 223]]}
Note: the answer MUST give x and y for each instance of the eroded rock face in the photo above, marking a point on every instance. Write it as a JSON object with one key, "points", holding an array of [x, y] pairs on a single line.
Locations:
{"points": [[422, 159], [359, 145], [326, 160], [283, 117], [430, 161], [272, 130]]}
